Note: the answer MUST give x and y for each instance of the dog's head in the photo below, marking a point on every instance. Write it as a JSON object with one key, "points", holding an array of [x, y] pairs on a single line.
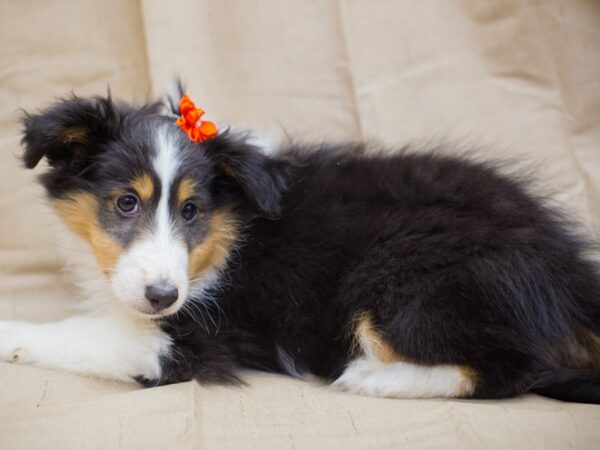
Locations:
{"points": [[161, 213]]}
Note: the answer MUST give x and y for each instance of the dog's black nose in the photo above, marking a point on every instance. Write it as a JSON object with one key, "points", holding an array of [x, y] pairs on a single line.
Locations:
{"points": [[161, 296]]}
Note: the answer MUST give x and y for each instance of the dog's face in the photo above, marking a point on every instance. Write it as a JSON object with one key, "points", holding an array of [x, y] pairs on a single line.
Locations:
{"points": [[160, 213]]}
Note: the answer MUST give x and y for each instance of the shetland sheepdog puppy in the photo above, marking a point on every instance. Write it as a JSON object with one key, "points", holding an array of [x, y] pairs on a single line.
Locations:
{"points": [[393, 275]]}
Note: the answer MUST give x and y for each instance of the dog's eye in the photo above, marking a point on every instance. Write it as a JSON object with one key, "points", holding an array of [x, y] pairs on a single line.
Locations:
{"points": [[189, 211], [128, 204]]}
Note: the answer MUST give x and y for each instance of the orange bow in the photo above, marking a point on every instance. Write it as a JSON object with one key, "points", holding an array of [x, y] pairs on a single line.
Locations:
{"points": [[190, 115]]}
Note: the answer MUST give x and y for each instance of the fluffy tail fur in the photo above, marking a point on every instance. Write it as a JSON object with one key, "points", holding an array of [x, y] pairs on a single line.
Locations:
{"points": [[570, 386]]}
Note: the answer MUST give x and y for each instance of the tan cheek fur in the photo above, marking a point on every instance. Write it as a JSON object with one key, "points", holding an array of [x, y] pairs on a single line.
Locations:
{"points": [[214, 250], [79, 212]]}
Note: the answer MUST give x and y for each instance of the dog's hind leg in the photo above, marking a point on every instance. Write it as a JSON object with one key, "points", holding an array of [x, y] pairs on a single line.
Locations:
{"points": [[381, 372], [114, 346], [404, 380]]}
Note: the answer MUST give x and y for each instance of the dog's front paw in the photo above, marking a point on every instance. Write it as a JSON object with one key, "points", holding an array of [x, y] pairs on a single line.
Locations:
{"points": [[11, 348], [147, 382]]}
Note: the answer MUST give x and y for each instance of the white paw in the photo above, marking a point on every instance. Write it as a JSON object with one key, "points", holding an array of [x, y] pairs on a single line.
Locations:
{"points": [[10, 350], [403, 380], [359, 377]]}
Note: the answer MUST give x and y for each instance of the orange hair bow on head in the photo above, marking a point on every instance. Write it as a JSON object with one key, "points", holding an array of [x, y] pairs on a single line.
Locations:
{"points": [[188, 121]]}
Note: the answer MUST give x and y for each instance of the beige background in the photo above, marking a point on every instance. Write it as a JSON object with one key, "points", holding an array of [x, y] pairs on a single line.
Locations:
{"points": [[522, 76]]}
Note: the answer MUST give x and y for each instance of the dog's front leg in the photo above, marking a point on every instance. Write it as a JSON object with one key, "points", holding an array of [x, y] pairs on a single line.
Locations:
{"points": [[111, 346]]}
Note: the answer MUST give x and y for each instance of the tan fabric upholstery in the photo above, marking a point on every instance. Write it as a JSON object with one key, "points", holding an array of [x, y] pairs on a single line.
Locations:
{"points": [[520, 75]]}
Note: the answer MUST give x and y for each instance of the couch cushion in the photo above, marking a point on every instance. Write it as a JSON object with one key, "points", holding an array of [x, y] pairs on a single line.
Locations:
{"points": [[517, 79]]}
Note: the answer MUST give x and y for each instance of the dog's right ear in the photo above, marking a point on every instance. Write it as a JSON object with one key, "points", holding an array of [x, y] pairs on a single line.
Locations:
{"points": [[69, 133]]}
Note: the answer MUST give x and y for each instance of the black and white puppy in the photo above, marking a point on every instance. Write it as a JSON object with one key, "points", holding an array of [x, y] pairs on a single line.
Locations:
{"points": [[411, 275]]}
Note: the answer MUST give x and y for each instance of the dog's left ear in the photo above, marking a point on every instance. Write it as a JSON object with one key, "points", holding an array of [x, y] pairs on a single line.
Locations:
{"points": [[259, 177], [243, 165]]}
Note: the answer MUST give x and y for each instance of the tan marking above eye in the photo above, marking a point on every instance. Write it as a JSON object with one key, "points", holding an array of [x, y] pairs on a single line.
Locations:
{"points": [[214, 250], [144, 186], [80, 212], [186, 189]]}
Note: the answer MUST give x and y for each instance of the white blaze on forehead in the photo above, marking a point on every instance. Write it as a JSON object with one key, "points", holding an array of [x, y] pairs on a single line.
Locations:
{"points": [[160, 256], [169, 252], [166, 162]]}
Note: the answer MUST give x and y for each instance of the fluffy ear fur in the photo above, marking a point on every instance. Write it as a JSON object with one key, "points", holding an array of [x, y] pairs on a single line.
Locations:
{"points": [[261, 182], [68, 133], [175, 90], [260, 179]]}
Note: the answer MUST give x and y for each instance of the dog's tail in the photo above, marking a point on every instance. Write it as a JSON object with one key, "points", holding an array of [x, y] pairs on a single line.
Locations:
{"points": [[569, 386]]}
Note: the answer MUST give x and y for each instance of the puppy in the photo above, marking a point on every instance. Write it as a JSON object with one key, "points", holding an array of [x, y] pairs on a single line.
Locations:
{"points": [[408, 275]]}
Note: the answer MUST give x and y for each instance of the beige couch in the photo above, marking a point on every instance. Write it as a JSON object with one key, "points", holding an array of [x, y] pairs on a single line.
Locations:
{"points": [[521, 75]]}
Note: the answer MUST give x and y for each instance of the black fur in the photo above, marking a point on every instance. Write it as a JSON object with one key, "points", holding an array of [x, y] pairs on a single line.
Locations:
{"points": [[260, 178], [571, 386], [455, 263]]}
